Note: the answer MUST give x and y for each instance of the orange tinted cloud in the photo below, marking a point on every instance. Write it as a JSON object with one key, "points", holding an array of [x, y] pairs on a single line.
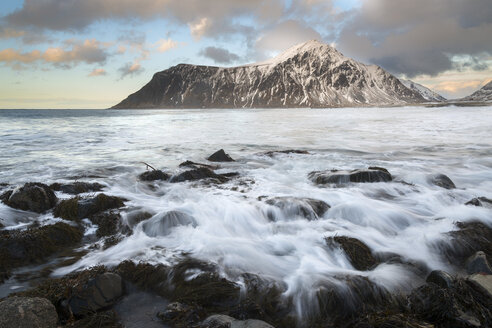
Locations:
{"points": [[89, 51], [98, 72]]}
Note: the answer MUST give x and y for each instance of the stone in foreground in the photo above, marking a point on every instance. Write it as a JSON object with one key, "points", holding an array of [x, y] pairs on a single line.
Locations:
{"points": [[35, 197], [25, 312]]}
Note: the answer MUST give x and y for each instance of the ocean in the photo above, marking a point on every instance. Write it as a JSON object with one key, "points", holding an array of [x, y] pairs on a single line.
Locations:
{"points": [[233, 225]]}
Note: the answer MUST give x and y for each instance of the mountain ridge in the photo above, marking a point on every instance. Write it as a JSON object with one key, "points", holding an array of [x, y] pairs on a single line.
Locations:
{"points": [[311, 74]]}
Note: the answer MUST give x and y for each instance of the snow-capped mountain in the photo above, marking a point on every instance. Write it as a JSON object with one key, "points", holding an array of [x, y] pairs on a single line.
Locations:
{"points": [[425, 92], [311, 74], [482, 95]]}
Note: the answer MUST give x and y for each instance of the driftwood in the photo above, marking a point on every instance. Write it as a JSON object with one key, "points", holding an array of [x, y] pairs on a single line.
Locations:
{"points": [[148, 165]]}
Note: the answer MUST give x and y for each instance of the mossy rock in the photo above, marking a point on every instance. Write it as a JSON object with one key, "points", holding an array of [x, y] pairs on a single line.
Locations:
{"points": [[358, 253], [78, 208], [33, 196], [107, 223], [30, 246]]}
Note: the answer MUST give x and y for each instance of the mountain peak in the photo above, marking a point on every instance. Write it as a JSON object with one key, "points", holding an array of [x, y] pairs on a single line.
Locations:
{"points": [[314, 47]]}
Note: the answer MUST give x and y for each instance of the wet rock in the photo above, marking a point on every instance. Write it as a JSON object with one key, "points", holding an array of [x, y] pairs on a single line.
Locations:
{"points": [[195, 165], [357, 176], [471, 237], [161, 225], [442, 181], [58, 290], [288, 151], [478, 263], [225, 321], [35, 197], [78, 208], [385, 320], [480, 201], [97, 294], [220, 156], [103, 319], [77, 187], [107, 223], [482, 282], [440, 278], [196, 282], [309, 208], [340, 306], [154, 175], [197, 174], [460, 306], [182, 315], [24, 312], [153, 278], [134, 217], [21, 247], [358, 253]]}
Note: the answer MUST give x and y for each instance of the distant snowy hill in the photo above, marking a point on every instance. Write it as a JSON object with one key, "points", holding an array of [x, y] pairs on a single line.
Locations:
{"points": [[427, 93], [311, 74], [482, 95]]}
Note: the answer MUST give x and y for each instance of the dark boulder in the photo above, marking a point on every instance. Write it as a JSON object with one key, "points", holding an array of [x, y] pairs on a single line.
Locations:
{"points": [[78, 208], [25, 312], [341, 177], [482, 282], [442, 181], [477, 263], [21, 247], [460, 306], [161, 225], [197, 174], [154, 175], [35, 197], [471, 237], [288, 151], [309, 208], [386, 320], [358, 253], [440, 278], [77, 187], [480, 201], [97, 294], [220, 156]]}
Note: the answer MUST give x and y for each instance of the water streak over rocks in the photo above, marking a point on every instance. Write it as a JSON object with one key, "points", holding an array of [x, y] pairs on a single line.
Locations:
{"points": [[308, 208], [373, 174]]}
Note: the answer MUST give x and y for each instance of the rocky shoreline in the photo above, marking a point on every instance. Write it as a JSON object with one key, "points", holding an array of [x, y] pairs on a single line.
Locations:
{"points": [[196, 292]]}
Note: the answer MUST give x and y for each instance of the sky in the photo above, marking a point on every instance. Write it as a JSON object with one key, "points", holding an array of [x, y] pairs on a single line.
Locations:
{"points": [[94, 53]]}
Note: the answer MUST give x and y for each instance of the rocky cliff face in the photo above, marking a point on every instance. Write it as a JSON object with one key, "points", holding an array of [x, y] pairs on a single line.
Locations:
{"points": [[482, 95], [311, 74]]}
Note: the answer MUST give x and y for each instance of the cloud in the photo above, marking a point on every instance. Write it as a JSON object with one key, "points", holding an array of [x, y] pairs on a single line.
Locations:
{"points": [[219, 55], [88, 51], [98, 72], [164, 45], [285, 35], [10, 33], [130, 69], [418, 37], [200, 27]]}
